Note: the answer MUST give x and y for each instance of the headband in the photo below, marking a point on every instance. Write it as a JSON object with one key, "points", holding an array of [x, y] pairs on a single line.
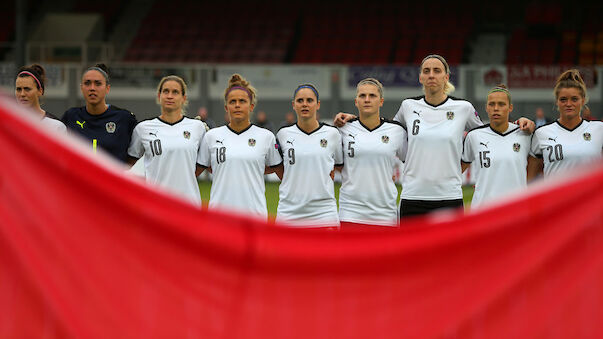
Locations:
{"points": [[306, 86], [499, 89], [33, 76], [94, 68], [241, 88], [439, 57]]}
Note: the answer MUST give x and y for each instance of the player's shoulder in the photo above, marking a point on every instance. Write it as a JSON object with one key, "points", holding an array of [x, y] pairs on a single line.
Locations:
{"points": [[478, 129], [50, 116], [546, 127], [260, 130], [414, 99], [596, 124], [457, 99], [393, 123], [74, 111]]}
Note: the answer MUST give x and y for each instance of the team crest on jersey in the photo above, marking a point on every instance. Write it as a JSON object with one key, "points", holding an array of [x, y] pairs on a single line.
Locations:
{"points": [[384, 139], [251, 142], [323, 142], [586, 136], [450, 115], [516, 147], [110, 127], [187, 134]]}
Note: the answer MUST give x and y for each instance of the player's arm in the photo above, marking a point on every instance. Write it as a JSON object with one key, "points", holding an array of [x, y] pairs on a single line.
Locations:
{"points": [[526, 125], [131, 160], [278, 169], [464, 166], [341, 118], [535, 167]]}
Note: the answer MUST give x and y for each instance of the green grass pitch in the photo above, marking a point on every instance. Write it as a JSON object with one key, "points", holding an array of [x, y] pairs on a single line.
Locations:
{"points": [[272, 194]]}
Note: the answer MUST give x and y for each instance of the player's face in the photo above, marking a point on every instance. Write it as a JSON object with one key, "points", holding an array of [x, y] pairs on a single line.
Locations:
{"points": [[238, 106], [433, 75], [498, 107], [305, 104], [171, 98], [570, 102], [26, 92], [368, 100], [94, 87]]}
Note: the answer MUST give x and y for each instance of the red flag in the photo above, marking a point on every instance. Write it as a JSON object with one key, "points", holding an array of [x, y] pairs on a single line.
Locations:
{"points": [[86, 252]]}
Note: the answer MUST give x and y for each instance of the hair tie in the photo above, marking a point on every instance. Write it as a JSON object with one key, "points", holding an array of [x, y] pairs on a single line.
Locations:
{"points": [[306, 86], [241, 88], [100, 70], [33, 76]]}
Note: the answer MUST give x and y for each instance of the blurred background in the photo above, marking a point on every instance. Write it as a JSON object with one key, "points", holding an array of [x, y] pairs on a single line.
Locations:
{"points": [[278, 45]]}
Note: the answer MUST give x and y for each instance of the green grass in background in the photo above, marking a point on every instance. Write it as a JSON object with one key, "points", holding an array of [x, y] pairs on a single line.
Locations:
{"points": [[272, 194]]}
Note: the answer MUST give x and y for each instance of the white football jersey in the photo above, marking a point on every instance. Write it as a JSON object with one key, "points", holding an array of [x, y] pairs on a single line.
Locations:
{"points": [[54, 124], [238, 161], [368, 192], [432, 169], [170, 154], [306, 194], [499, 161], [562, 149]]}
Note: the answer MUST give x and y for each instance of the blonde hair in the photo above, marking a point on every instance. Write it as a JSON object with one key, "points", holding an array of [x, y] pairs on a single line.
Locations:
{"points": [[238, 82], [177, 79], [371, 81], [448, 86], [571, 79]]}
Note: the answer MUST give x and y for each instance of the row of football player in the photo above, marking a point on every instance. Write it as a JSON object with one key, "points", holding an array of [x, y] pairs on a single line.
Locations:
{"points": [[427, 133]]}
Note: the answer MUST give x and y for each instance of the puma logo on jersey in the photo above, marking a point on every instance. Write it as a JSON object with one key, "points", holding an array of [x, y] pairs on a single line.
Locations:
{"points": [[80, 123], [555, 140], [352, 136], [220, 142], [290, 142], [485, 145], [417, 113], [153, 133]]}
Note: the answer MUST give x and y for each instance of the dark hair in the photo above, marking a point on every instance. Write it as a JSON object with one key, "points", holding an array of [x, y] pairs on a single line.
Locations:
{"points": [[101, 68], [238, 82], [571, 79], [37, 72], [310, 86]]}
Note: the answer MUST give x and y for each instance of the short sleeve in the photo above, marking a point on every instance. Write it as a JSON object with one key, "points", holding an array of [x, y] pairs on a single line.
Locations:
{"points": [[132, 123], [278, 143], [473, 120], [468, 156], [535, 148], [338, 156], [403, 145], [203, 154], [273, 157], [399, 117], [136, 149]]}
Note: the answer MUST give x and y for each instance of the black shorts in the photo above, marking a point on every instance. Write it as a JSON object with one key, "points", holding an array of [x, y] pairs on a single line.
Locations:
{"points": [[418, 207]]}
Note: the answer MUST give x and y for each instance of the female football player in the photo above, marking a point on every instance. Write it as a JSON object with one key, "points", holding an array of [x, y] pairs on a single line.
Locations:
{"points": [[29, 89], [239, 154], [569, 141], [310, 151], [170, 143], [105, 126]]}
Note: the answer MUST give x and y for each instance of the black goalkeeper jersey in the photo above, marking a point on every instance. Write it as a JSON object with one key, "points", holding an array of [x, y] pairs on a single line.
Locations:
{"points": [[111, 130]]}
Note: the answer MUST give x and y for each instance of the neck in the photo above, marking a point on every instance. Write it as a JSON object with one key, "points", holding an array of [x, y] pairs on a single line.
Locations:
{"points": [[500, 127], [171, 116], [435, 98], [307, 125], [570, 123], [39, 111], [238, 125], [370, 120], [96, 109]]}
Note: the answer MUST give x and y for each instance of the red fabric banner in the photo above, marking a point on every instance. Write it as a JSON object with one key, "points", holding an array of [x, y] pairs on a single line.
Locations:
{"points": [[86, 252]]}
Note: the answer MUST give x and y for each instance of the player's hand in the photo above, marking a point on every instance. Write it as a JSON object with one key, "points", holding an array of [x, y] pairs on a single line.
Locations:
{"points": [[341, 118], [526, 125]]}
